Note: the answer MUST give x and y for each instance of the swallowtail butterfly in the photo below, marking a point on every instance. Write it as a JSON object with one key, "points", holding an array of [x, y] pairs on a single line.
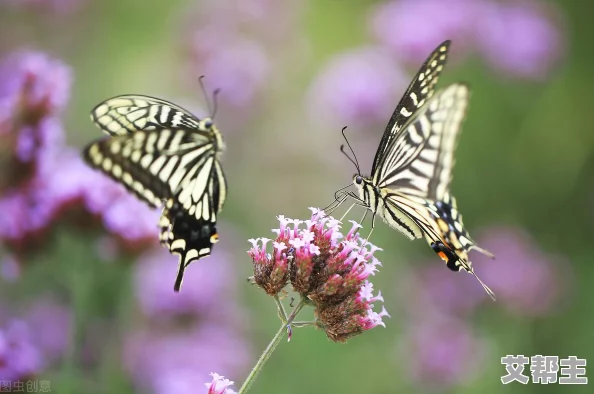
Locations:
{"points": [[165, 156], [412, 169]]}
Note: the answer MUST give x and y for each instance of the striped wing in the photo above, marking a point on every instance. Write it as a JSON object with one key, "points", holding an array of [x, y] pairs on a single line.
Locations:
{"points": [[419, 91], [420, 159], [127, 114], [440, 223], [162, 153]]}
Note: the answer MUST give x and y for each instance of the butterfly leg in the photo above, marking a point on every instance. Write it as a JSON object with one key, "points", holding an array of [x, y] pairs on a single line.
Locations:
{"points": [[347, 212], [338, 200]]}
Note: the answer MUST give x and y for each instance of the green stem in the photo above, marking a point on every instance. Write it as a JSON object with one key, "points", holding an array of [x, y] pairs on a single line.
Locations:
{"points": [[270, 348], [282, 314]]}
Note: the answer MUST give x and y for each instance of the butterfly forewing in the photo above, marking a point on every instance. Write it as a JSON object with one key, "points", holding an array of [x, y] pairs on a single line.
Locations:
{"points": [[126, 114], [420, 159], [418, 92], [162, 153]]}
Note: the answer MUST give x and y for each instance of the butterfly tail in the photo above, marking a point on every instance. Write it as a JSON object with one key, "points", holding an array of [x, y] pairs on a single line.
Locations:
{"points": [[180, 275], [483, 251]]}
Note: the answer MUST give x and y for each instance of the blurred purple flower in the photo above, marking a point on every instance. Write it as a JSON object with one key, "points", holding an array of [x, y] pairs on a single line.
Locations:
{"points": [[435, 288], [414, 28], [357, 87], [33, 88], [19, 357], [32, 83], [232, 63], [208, 283], [41, 141], [442, 351], [179, 362], [522, 276], [519, 38], [32, 208], [22, 215], [131, 219], [52, 323]]}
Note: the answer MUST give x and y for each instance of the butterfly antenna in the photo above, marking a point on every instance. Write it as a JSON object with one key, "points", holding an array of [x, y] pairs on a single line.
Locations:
{"points": [[354, 158], [487, 289], [209, 105]]}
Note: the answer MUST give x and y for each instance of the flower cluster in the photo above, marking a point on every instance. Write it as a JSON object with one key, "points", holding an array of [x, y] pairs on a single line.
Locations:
{"points": [[324, 266]]}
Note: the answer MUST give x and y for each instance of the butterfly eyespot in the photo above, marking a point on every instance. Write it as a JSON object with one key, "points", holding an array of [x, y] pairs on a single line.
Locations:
{"points": [[214, 238]]}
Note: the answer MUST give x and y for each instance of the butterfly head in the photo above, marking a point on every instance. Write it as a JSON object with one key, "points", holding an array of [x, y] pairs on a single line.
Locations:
{"points": [[206, 124]]}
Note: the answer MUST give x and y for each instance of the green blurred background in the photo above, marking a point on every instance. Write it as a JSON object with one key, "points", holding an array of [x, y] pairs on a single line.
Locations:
{"points": [[525, 161]]}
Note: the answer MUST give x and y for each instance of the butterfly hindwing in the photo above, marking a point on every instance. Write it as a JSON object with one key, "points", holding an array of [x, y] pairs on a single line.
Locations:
{"points": [[162, 153]]}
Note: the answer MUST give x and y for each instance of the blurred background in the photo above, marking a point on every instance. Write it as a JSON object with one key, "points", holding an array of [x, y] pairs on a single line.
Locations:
{"points": [[86, 299]]}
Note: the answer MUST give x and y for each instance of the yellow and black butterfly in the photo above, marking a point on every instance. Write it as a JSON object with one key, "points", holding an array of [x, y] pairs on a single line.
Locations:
{"points": [[165, 155], [412, 169]]}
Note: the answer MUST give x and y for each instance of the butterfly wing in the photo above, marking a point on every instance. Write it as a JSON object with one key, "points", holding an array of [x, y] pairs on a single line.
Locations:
{"points": [[418, 92], [188, 221], [420, 159], [127, 114], [162, 153]]}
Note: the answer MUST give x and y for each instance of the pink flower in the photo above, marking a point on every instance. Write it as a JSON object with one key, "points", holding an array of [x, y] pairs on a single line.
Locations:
{"points": [[325, 266], [219, 385]]}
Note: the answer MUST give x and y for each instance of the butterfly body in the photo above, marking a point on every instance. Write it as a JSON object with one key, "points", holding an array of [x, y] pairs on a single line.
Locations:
{"points": [[412, 169], [165, 156]]}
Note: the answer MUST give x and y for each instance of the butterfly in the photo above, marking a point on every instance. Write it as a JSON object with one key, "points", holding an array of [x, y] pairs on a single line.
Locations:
{"points": [[412, 169], [167, 157]]}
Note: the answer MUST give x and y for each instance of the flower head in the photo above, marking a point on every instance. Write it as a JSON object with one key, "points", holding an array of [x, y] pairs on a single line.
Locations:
{"points": [[219, 385], [326, 267]]}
